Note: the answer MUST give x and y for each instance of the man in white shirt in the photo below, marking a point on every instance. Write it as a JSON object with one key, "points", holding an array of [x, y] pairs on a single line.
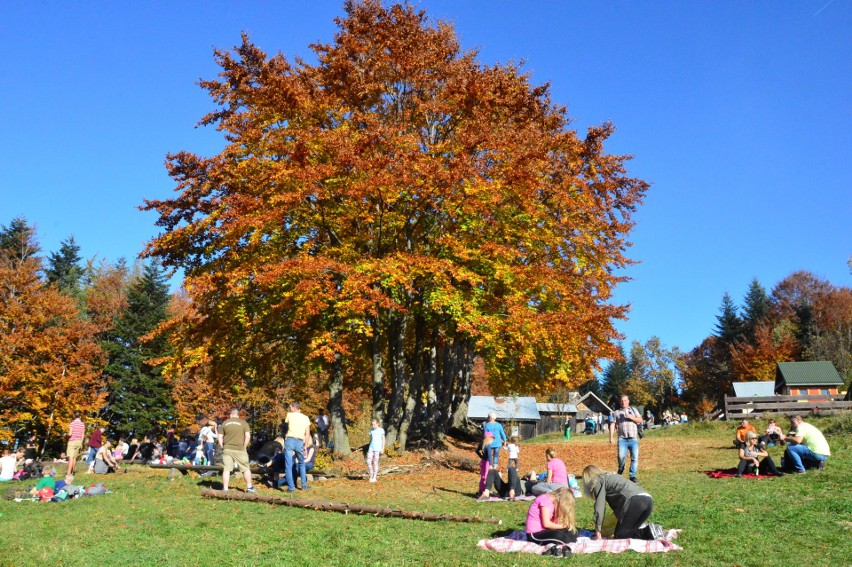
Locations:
{"points": [[807, 447]]}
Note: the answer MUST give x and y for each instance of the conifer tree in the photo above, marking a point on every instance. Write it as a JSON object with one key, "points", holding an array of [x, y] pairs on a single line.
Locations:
{"points": [[615, 375], [140, 399], [17, 241], [729, 328], [756, 309], [64, 267]]}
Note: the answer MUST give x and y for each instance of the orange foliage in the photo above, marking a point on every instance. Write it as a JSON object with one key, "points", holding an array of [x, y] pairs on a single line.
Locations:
{"points": [[50, 364]]}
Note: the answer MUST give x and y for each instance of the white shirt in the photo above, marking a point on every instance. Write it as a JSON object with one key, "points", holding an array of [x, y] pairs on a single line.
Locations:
{"points": [[513, 451], [7, 467]]}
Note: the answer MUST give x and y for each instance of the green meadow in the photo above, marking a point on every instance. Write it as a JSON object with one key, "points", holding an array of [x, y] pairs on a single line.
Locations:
{"points": [[151, 519]]}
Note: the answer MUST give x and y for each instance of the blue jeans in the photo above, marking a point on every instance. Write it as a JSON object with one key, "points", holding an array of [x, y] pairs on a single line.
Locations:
{"points": [[797, 456], [91, 456], [294, 446], [631, 445], [494, 455], [209, 452]]}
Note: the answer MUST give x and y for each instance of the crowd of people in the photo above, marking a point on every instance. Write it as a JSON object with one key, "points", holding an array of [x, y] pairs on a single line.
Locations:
{"points": [[805, 448]]}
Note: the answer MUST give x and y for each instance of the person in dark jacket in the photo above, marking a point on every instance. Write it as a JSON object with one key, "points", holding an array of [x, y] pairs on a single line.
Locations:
{"points": [[629, 502]]}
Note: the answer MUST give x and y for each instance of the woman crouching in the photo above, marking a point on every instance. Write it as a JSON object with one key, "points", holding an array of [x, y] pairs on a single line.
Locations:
{"points": [[630, 503], [551, 518]]}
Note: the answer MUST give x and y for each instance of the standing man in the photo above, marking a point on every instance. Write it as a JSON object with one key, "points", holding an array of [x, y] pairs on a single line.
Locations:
{"points": [[626, 420], [76, 431], [96, 439], [298, 436], [807, 447], [322, 428], [234, 437]]}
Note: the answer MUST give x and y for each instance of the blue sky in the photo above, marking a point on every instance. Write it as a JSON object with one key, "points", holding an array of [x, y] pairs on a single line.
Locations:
{"points": [[739, 113]]}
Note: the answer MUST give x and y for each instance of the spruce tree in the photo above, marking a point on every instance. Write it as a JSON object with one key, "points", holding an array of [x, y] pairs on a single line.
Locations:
{"points": [[63, 267], [615, 375], [18, 241], [756, 308], [140, 398], [729, 328]]}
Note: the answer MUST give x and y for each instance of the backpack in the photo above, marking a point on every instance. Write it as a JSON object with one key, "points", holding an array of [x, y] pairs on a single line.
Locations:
{"points": [[22, 474]]}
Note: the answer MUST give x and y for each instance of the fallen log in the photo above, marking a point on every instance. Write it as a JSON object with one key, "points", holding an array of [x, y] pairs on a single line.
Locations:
{"points": [[344, 507]]}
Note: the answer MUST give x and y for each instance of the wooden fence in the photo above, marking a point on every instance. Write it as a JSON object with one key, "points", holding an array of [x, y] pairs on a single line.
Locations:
{"points": [[757, 406]]}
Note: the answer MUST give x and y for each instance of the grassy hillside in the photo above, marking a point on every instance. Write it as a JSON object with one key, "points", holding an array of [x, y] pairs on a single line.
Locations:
{"points": [[149, 519]]}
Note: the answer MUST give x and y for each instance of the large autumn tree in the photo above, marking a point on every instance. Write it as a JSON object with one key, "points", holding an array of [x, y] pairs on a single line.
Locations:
{"points": [[395, 209], [50, 364]]}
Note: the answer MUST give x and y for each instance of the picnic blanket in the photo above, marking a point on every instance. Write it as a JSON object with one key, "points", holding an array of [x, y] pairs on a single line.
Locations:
{"points": [[516, 542], [498, 499], [732, 472]]}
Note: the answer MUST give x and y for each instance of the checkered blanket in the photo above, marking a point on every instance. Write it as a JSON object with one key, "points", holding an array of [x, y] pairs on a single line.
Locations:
{"points": [[516, 542]]}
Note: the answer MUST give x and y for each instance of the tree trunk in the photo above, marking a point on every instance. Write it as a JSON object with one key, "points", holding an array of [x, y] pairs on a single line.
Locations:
{"points": [[399, 379], [344, 507], [378, 371], [464, 380], [335, 408], [432, 406], [415, 389]]}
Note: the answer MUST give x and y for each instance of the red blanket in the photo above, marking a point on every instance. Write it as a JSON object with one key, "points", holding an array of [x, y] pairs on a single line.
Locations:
{"points": [[728, 473]]}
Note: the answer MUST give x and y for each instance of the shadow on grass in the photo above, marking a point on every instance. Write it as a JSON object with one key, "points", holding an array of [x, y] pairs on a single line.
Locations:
{"points": [[460, 492]]}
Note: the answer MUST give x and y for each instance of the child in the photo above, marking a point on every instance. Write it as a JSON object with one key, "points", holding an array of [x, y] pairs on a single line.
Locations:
{"points": [[46, 481], [200, 459], [513, 452], [377, 447], [8, 466], [484, 463]]}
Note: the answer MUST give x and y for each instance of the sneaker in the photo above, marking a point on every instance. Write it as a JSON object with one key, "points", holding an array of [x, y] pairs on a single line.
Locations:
{"points": [[822, 465], [291, 490], [634, 479], [305, 488], [372, 480], [251, 489], [797, 471]]}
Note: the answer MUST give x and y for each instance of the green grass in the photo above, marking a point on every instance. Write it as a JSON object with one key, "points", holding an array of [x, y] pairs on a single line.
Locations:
{"points": [[151, 520]]}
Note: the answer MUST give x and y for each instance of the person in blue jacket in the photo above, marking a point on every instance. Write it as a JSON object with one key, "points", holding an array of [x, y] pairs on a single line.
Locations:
{"points": [[499, 438]]}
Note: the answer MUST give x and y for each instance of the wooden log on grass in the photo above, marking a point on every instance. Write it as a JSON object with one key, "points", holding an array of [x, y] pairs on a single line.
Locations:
{"points": [[344, 507]]}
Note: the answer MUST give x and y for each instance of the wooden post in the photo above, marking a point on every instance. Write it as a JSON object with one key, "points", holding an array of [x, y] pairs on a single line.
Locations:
{"points": [[343, 507]]}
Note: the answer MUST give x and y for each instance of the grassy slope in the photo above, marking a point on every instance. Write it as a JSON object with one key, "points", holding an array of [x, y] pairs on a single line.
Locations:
{"points": [[794, 520]]}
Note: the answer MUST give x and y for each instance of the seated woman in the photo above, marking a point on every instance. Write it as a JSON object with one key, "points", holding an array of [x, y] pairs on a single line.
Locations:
{"points": [[772, 436], [630, 504], [751, 454], [557, 474], [104, 461], [494, 484], [310, 460], [551, 518]]}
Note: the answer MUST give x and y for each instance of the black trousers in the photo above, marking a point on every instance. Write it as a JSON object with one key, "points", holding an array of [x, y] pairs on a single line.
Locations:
{"points": [[559, 537], [767, 466], [639, 508]]}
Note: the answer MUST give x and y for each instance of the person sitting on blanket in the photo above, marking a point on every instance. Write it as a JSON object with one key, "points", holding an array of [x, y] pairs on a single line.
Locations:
{"points": [[630, 503], [751, 454], [551, 518], [494, 484], [557, 474], [742, 430]]}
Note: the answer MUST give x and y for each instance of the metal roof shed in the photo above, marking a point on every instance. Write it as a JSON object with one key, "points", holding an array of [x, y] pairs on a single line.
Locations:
{"points": [[754, 389], [810, 377]]}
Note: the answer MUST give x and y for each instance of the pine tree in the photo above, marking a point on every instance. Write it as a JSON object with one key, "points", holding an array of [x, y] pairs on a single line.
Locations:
{"points": [[140, 398], [615, 375], [64, 267], [18, 241], [729, 328], [756, 309]]}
